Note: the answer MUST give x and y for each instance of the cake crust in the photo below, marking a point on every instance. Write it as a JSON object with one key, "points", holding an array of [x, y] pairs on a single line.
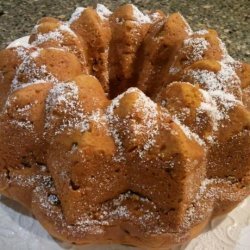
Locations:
{"points": [[124, 127]]}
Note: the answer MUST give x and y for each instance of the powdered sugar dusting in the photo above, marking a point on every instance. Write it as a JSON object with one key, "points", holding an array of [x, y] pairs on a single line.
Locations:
{"points": [[206, 78], [187, 28], [23, 124], [112, 119], [62, 93], [140, 127], [103, 12], [23, 42], [187, 131], [22, 52], [55, 35], [139, 16], [201, 32], [31, 180], [198, 46], [117, 209], [227, 59], [217, 90], [148, 123], [76, 14], [64, 98], [210, 191], [155, 16], [174, 70], [66, 28], [35, 54], [223, 81], [100, 119], [23, 121], [108, 214], [33, 73], [52, 35]]}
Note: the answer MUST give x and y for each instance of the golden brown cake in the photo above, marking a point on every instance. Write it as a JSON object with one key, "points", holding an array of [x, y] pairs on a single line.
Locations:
{"points": [[124, 127]]}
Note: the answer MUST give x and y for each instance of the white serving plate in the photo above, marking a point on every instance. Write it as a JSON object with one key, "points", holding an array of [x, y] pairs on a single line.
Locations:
{"points": [[20, 231]]}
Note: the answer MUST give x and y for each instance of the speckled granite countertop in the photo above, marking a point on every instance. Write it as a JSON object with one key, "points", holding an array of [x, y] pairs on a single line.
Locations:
{"points": [[231, 18]]}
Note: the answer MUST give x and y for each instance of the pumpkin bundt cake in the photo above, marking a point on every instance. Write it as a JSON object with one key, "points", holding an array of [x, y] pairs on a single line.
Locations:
{"points": [[123, 127]]}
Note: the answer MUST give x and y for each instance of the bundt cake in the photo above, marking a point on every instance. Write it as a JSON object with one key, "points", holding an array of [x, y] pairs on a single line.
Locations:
{"points": [[123, 127]]}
